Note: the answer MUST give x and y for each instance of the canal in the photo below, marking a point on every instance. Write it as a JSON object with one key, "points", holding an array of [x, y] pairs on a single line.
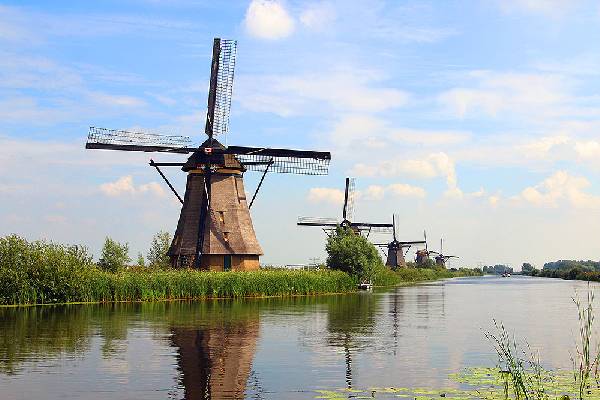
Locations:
{"points": [[414, 336]]}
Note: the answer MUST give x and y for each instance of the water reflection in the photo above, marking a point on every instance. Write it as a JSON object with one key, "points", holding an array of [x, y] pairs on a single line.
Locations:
{"points": [[350, 322], [216, 360], [277, 348]]}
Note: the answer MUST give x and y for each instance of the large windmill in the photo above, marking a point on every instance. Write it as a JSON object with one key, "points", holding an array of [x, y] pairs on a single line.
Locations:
{"points": [[329, 224], [395, 249], [215, 228], [441, 258]]}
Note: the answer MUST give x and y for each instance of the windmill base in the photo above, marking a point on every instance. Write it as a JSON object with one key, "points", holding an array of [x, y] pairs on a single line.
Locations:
{"points": [[220, 262]]}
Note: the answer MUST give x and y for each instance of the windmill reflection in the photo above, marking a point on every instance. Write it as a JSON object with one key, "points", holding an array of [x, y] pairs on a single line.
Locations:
{"points": [[351, 321], [216, 361]]}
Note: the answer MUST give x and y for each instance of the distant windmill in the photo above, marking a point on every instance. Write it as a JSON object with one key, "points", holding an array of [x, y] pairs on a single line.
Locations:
{"points": [[440, 258], [329, 224], [422, 255], [395, 249], [215, 228]]}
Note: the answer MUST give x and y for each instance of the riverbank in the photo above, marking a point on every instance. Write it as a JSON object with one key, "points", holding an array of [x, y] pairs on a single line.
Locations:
{"points": [[94, 285], [568, 274], [49, 273]]}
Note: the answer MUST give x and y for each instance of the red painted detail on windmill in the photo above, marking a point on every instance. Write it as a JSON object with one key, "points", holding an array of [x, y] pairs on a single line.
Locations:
{"points": [[208, 150]]}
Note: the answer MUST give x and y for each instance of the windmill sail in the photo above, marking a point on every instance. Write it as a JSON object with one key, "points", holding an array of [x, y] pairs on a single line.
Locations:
{"points": [[113, 139], [224, 86]]}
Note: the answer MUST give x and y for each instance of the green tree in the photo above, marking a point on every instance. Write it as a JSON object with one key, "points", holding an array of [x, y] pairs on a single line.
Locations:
{"points": [[157, 255], [115, 256], [526, 268], [140, 260], [352, 253]]}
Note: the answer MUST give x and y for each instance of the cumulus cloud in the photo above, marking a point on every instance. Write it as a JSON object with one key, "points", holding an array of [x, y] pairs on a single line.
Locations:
{"points": [[326, 195], [338, 90], [125, 186], [561, 187], [494, 93], [318, 16], [431, 166], [403, 189], [372, 192], [268, 19]]}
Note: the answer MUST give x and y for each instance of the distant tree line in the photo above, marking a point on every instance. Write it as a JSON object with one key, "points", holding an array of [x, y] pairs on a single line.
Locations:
{"points": [[566, 269], [497, 269]]}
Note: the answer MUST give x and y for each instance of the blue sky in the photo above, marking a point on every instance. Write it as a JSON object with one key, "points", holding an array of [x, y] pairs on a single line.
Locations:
{"points": [[475, 120]]}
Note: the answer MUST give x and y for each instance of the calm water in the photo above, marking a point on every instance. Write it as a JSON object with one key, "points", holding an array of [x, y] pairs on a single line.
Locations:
{"points": [[278, 348]]}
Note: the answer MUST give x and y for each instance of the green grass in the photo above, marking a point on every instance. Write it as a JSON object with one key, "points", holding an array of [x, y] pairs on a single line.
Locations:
{"points": [[387, 277], [46, 273]]}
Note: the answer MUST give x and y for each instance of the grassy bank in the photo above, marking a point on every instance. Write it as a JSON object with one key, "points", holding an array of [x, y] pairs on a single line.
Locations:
{"points": [[44, 273], [568, 274], [387, 277]]}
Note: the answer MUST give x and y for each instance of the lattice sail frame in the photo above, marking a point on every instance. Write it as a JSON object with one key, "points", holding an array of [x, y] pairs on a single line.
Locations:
{"points": [[119, 137], [284, 165], [224, 90], [351, 198]]}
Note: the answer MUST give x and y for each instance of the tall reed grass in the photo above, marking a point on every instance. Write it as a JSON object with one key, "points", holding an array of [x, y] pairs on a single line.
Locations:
{"points": [[44, 272]]}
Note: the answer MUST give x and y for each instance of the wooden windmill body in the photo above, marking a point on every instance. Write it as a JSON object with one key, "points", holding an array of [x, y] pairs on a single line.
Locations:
{"points": [[395, 249], [215, 228], [440, 258]]}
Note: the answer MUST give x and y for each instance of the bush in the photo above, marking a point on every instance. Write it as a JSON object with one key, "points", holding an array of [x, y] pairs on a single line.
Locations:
{"points": [[157, 255], [352, 253], [115, 256]]}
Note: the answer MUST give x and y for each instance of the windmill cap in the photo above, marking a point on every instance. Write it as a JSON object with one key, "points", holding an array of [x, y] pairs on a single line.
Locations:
{"points": [[204, 155]]}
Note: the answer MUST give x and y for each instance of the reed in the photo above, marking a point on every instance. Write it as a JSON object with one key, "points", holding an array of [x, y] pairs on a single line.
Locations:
{"points": [[44, 272]]}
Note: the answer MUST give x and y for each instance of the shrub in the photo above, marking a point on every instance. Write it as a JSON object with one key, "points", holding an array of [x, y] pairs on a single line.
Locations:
{"points": [[352, 253], [115, 256], [157, 255]]}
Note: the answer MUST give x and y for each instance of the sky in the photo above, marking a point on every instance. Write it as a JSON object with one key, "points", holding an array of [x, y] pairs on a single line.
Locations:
{"points": [[477, 121]]}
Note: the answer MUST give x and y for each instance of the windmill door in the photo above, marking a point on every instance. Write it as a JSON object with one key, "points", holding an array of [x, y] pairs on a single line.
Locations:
{"points": [[227, 262]]}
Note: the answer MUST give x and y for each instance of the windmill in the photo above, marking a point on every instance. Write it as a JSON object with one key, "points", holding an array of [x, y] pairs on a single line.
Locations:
{"points": [[440, 258], [395, 249], [215, 229], [422, 255], [329, 224]]}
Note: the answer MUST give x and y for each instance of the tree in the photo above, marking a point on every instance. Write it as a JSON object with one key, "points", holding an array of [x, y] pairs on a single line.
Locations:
{"points": [[140, 260], [157, 255], [115, 256], [352, 253], [526, 268]]}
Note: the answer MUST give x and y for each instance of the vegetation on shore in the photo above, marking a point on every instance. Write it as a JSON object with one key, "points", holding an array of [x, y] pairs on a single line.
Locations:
{"points": [[42, 272], [566, 269]]}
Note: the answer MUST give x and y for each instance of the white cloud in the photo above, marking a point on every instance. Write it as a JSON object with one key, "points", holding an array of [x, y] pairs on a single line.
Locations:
{"points": [[326, 195], [340, 90], [540, 148], [125, 186], [561, 187], [268, 19], [375, 192], [588, 149], [403, 189], [318, 16], [550, 8], [431, 166], [523, 94]]}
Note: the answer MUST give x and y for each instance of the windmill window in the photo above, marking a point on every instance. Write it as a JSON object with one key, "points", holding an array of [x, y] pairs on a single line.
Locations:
{"points": [[222, 217], [226, 236]]}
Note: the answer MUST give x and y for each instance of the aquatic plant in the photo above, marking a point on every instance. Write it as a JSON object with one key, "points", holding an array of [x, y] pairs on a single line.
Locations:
{"points": [[521, 370], [584, 362]]}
